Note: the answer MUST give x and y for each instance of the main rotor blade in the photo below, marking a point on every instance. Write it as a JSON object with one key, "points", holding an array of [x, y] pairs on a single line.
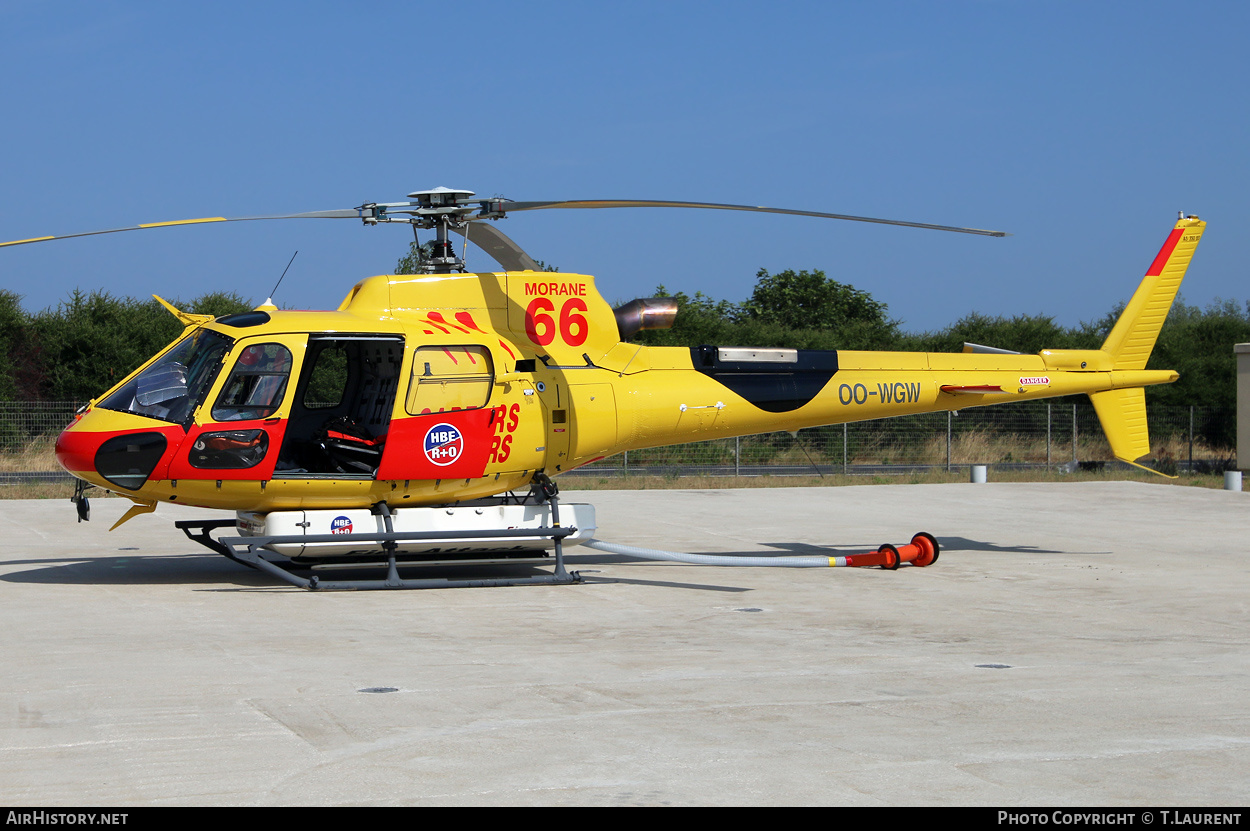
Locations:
{"points": [[350, 213], [497, 244], [508, 207]]}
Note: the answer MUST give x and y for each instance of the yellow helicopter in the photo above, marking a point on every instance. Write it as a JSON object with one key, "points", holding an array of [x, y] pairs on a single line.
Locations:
{"points": [[400, 426]]}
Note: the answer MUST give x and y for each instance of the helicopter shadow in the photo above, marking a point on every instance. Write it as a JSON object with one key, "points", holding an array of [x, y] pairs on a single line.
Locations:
{"points": [[209, 572], [213, 572], [666, 584]]}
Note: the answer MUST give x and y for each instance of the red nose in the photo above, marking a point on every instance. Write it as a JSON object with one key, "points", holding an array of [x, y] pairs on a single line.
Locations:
{"points": [[125, 458], [75, 448]]}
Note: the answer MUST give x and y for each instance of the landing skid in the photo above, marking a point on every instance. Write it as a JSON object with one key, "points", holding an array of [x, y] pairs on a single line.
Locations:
{"points": [[257, 551]]}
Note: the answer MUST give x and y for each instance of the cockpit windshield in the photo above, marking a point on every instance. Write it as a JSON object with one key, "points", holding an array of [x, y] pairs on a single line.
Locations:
{"points": [[172, 387]]}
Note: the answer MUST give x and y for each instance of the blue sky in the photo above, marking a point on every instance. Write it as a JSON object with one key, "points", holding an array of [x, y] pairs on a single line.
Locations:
{"points": [[1081, 128]]}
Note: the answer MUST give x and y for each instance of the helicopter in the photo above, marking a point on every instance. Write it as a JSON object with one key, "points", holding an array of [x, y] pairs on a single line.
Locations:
{"points": [[401, 426]]}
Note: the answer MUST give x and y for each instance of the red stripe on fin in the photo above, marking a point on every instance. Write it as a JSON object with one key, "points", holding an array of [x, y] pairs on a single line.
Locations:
{"points": [[1165, 253]]}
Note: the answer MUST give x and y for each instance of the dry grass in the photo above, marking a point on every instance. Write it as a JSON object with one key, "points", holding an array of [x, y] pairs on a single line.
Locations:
{"points": [[967, 447], [45, 490], [39, 454], [933, 477]]}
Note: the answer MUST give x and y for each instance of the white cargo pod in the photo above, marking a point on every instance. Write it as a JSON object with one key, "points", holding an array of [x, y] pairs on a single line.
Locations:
{"points": [[458, 521]]}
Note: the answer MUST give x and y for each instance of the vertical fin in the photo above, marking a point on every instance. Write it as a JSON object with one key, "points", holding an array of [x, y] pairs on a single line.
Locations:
{"points": [[1134, 334], [1123, 416]]}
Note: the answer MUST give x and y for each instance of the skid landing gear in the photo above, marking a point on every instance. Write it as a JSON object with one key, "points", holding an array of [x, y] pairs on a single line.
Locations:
{"points": [[251, 551]]}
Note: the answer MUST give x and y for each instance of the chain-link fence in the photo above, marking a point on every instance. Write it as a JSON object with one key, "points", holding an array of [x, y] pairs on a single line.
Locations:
{"points": [[28, 431], [1024, 435], [1031, 434]]}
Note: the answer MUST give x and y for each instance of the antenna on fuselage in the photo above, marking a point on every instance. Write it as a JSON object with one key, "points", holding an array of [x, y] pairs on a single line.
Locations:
{"points": [[269, 302]]}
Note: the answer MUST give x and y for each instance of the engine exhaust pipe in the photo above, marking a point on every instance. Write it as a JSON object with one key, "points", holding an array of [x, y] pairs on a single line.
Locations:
{"points": [[645, 313]]}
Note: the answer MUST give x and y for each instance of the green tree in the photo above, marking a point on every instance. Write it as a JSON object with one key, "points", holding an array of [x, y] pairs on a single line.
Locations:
{"points": [[92, 340], [16, 347], [810, 300], [1198, 343], [1023, 333], [804, 310], [217, 304]]}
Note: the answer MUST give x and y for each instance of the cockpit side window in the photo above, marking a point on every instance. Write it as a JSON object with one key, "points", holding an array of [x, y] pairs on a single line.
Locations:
{"points": [[256, 385]]}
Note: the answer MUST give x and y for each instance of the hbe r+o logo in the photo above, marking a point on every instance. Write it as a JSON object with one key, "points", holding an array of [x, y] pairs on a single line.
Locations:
{"points": [[443, 444]]}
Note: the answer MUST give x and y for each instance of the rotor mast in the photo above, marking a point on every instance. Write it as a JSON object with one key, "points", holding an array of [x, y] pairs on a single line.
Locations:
{"points": [[440, 209]]}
